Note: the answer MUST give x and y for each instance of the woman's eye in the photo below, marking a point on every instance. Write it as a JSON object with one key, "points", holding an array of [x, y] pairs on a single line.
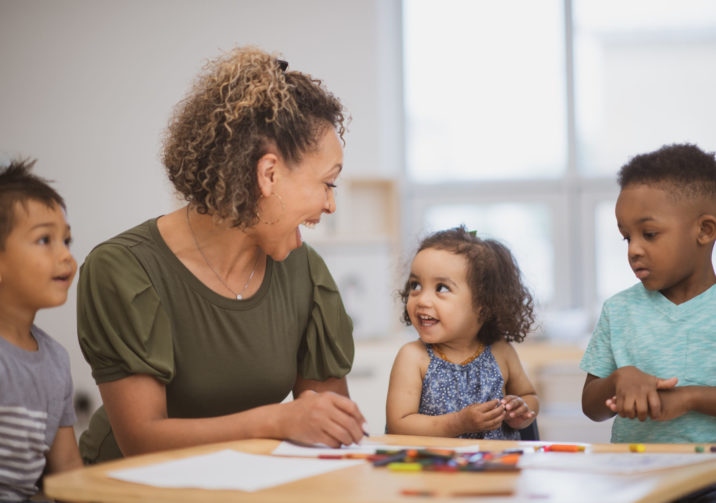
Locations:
{"points": [[331, 185]]}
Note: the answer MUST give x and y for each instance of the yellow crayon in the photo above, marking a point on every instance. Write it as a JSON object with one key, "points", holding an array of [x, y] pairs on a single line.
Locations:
{"points": [[405, 467], [637, 448]]}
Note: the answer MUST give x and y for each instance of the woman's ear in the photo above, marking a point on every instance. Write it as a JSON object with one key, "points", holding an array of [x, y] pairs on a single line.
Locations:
{"points": [[267, 173], [707, 229]]}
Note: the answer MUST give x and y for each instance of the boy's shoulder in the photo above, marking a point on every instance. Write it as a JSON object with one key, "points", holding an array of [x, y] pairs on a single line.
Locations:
{"points": [[46, 341], [635, 294]]}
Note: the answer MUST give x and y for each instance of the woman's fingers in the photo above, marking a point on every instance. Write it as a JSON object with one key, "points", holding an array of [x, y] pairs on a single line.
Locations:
{"points": [[329, 418]]}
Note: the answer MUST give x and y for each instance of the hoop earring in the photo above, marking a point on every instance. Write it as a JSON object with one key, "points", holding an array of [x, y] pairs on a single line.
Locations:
{"points": [[283, 210]]}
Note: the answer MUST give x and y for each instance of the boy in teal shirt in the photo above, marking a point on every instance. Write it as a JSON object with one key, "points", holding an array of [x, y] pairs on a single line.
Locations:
{"points": [[651, 357]]}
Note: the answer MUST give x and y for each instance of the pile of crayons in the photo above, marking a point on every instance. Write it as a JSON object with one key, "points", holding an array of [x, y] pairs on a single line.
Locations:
{"points": [[446, 460]]}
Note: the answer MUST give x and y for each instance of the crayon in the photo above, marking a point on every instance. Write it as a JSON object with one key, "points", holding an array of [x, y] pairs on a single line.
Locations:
{"points": [[509, 459], [699, 448], [417, 492], [637, 448], [399, 456], [405, 467], [331, 456], [713, 448], [564, 448]]}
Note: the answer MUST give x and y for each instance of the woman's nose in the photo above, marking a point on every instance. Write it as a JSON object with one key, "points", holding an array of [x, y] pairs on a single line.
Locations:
{"points": [[330, 206]]}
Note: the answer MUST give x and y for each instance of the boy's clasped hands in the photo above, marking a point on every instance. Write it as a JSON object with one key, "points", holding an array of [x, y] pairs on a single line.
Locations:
{"points": [[640, 395]]}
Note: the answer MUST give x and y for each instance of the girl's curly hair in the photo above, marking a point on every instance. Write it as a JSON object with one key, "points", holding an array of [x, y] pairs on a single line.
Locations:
{"points": [[507, 307], [244, 101]]}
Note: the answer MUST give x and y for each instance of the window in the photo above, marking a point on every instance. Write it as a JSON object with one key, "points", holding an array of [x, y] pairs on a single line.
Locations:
{"points": [[519, 115]]}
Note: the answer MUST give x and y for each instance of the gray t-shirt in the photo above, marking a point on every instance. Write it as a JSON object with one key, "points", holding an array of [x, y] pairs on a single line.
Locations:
{"points": [[35, 400]]}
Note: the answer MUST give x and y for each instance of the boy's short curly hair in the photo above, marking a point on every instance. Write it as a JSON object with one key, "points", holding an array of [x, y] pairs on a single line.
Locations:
{"points": [[243, 102], [494, 278], [18, 185], [684, 169]]}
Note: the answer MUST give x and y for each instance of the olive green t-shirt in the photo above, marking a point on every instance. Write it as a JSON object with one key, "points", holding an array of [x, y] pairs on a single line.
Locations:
{"points": [[141, 311]]}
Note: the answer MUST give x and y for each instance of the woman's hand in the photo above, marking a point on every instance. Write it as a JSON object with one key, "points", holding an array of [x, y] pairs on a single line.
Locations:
{"points": [[518, 414], [484, 416], [323, 418]]}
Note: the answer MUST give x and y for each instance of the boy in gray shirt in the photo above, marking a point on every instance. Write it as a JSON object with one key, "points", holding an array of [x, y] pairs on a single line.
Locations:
{"points": [[36, 270]]}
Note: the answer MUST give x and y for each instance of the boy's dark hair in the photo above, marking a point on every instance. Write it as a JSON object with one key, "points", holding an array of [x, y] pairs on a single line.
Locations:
{"points": [[18, 185], [495, 281], [685, 168]]}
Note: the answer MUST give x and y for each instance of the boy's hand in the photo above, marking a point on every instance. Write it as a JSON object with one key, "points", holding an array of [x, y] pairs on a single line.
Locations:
{"points": [[517, 413], [637, 393], [485, 416]]}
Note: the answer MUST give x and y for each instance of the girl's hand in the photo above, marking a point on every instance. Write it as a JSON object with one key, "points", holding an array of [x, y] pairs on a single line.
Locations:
{"points": [[485, 416], [517, 413], [323, 418]]}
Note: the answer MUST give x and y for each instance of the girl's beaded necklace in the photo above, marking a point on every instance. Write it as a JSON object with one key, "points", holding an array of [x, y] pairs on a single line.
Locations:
{"points": [[477, 353]]}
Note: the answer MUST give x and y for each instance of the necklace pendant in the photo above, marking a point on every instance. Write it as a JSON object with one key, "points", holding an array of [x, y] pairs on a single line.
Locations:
{"points": [[239, 297]]}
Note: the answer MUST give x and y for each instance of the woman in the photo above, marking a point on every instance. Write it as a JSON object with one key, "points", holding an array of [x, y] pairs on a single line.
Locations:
{"points": [[198, 323]]}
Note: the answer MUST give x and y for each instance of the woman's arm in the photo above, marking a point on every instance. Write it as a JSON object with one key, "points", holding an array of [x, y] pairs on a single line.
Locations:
{"points": [[137, 411], [333, 384]]}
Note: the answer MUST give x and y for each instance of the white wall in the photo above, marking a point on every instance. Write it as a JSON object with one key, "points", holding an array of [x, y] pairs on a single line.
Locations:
{"points": [[87, 87]]}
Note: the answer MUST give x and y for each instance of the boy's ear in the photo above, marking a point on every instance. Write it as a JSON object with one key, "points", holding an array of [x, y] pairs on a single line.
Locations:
{"points": [[267, 173], [707, 229]]}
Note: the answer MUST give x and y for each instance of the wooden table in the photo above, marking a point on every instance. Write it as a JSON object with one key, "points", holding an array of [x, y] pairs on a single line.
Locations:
{"points": [[365, 483]]}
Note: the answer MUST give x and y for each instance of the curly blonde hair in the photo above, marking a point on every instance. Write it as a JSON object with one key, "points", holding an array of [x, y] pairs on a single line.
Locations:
{"points": [[243, 101]]}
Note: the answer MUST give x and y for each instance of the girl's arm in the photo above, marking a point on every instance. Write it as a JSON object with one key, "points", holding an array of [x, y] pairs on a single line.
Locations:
{"points": [[137, 410], [521, 402], [406, 381], [63, 454]]}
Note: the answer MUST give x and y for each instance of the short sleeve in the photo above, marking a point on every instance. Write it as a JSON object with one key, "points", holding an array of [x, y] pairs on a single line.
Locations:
{"points": [[122, 327], [69, 416], [599, 359], [327, 349]]}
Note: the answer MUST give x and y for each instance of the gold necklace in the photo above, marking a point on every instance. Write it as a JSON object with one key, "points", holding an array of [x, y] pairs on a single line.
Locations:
{"points": [[477, 353], [239, 295]]}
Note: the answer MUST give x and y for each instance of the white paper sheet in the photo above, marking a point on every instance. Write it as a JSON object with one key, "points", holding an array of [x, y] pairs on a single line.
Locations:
{"points": [[229, 469], [611, 463], [366, 447]]}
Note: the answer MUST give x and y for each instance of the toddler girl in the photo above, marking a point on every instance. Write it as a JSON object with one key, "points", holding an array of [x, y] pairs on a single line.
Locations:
{"points": [[463, 378]]}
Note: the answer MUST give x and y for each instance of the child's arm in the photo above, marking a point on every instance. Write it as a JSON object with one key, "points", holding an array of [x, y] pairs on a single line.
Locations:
{"points": [[678, 401], [520, 401], [403, 402], [627, 391], [63, 454]]}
